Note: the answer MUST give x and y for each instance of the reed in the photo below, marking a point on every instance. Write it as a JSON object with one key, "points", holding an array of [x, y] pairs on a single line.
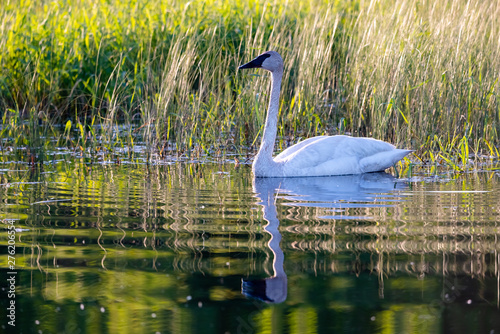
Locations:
{"points": [[107, 74], [427, 74]]}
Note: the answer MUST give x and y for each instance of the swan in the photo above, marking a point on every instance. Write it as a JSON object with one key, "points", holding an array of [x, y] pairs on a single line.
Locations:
{"points": [[317, 156]]}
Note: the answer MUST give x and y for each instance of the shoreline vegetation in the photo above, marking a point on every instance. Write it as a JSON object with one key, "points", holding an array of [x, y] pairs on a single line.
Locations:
{"points": [[101, 75]]}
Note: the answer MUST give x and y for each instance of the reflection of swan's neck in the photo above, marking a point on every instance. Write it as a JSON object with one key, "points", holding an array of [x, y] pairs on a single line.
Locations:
{"points": [[271, 215], [274, 245], [265, 154], [272, 289]]}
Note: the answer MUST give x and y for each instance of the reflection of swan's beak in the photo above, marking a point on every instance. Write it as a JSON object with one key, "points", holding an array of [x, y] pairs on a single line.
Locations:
{"points": [[269, 290]]}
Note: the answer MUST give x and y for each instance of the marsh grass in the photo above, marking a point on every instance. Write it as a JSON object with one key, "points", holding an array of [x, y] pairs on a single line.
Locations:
{"points": [[428, 74], [97, 75]]}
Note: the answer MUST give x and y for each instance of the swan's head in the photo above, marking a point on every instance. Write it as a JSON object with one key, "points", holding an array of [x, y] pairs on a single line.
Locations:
{"points": [[270, 60]]}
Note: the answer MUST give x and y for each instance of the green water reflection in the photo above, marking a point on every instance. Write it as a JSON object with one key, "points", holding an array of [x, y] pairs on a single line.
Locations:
{"points": [[194, 248]]}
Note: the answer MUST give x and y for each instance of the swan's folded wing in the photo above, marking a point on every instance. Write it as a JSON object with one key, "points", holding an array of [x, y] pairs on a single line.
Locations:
{"points": [[294, 148], [320, 150]]}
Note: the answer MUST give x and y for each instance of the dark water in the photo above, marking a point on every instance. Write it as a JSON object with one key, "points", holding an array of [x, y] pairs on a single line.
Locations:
{"points": [[202, 248]]}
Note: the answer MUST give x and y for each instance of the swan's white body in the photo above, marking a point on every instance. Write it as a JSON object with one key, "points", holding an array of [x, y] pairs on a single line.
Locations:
{"points": [[317, 156]]}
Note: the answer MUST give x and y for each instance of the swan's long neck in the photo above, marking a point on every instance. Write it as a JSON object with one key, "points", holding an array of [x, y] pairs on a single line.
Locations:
{"points": [[271, 127]]}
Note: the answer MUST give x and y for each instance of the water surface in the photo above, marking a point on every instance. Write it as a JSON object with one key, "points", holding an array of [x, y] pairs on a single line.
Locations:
{"points": [[204, 248]]}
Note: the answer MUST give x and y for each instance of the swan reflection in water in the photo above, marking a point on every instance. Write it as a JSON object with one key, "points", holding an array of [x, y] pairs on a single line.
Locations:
{"points": [[362, 190]]}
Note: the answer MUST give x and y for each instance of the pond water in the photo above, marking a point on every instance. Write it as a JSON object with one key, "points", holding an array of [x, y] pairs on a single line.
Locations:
{"points": [[204, 248]]}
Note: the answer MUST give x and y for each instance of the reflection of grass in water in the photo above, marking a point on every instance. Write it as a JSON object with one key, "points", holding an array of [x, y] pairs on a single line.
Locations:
{"points": [[423, 76], [167, 220], [131, 286], [169, 217], [166, 207], [466, 252]]}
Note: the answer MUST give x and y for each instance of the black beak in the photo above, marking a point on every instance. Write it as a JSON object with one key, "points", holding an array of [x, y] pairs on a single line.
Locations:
{"points": [[255, 63], [250, 64]]}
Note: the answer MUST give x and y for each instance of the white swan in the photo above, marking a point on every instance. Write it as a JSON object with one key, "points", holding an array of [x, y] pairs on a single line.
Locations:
{"points": [[317, 156]]}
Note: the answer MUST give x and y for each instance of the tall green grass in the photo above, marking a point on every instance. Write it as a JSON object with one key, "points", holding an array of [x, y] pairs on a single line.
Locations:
{"points": [[426, 73], [101, 74]]}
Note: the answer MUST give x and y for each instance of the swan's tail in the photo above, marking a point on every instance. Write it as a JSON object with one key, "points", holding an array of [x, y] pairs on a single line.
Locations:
{"points": [[383, 160]]}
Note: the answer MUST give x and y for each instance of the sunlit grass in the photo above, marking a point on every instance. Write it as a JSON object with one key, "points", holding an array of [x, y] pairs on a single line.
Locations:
{"points": [[97, 75]]}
